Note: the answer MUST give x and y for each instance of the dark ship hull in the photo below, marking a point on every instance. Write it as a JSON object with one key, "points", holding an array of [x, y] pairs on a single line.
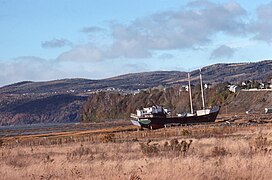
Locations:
{"points": [[159, 122]]}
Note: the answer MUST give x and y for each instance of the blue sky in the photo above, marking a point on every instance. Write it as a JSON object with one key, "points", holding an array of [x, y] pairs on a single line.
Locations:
{"points": [[45, 40]]}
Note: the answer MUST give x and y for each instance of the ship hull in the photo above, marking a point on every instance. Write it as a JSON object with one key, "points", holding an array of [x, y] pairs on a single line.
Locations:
{"points": [[159, 122]]}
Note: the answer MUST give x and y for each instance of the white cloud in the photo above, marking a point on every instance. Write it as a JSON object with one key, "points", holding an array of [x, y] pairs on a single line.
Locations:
{"points": [[27, 68], [55, 43], [30, 68], [91, 29], [86, 53], [263, 25], [166, 56], [191, 27], [222, 51]]}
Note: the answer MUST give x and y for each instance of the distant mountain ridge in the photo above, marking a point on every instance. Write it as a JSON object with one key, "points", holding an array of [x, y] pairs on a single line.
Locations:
{"points": [[59, 101], [217, 73]]}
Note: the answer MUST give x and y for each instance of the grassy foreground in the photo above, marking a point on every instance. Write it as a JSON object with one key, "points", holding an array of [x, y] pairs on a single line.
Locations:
{"points": [[198, 152]]}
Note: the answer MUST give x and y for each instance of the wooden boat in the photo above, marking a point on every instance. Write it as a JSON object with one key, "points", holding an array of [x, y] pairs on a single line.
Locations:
{"points": [[157, 117]]}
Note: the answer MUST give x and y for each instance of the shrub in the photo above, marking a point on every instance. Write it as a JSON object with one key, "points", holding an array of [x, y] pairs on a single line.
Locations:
{"points": [[1, 142], [79, 153], [174, 147], [219, 151], [260, 144], [18, 161], [185, 132], [179, 147], [134, 177], [108, 138], [149, 150], [48, 159]]}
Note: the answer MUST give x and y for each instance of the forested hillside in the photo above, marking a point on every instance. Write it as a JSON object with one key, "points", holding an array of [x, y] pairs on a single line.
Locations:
{"points": [[112, 105], [107, 106]]}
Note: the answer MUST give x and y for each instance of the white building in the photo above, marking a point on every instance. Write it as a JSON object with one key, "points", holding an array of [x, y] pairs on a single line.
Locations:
{"points": [[234, 88]]}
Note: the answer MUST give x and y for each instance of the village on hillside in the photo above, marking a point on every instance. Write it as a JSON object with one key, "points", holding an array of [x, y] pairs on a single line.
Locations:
{"points": [[251, 85]]}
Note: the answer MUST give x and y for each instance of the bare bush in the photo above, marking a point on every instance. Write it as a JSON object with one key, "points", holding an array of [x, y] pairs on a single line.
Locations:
{"points": [[48, 159], [260, 144], [108, 138], [18, 161], [219, 151], [173, 147], [134, 177], [149, 149], [1, 142], [79, 153], [185, 132], [181, 147]]}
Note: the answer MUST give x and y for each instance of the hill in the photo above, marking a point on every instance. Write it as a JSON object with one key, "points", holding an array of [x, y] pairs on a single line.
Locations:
{"points": [[112, 105], [30, 102], [18, 109], [217, 73]]}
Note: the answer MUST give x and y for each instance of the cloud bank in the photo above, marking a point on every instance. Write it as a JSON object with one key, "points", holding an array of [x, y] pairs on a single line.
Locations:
{"points": [[91, 29], [222, 51], [263, 25], [86, 53], [55, 43], [27, 68], [193, 26]]}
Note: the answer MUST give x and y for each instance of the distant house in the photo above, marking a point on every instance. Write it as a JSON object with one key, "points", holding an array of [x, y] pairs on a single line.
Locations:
{"points": [[136, 91], [183, 88], [246, 84], [269, 84], [207, 86], [267, 110], [186, 87], [234, 88], [262, 85]]}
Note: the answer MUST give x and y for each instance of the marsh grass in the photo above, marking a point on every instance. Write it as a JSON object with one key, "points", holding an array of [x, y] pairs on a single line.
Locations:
{"points": [[80, 153], [233, 154]]}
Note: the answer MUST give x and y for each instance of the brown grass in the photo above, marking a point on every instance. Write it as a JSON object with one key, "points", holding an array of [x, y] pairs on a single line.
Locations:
{"points": [[175, 153]]}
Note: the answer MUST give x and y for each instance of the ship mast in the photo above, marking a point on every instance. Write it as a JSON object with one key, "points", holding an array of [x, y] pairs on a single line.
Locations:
{"points": [[190, 93], [202, 91]]}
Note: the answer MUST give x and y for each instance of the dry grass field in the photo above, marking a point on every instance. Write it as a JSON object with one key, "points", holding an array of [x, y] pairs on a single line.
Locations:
{"points": [[192, 152]]}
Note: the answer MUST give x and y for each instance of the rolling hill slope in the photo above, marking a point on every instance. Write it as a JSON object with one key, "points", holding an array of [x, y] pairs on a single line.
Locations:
{"points": [[217, 73], [62, 100]]}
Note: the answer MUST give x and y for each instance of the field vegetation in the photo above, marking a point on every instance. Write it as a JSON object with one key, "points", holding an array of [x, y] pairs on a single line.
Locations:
{"points": [[192, 152]]}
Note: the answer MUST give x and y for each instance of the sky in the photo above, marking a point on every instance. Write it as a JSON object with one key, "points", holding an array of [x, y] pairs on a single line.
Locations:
{"points": [[55, 39]]}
